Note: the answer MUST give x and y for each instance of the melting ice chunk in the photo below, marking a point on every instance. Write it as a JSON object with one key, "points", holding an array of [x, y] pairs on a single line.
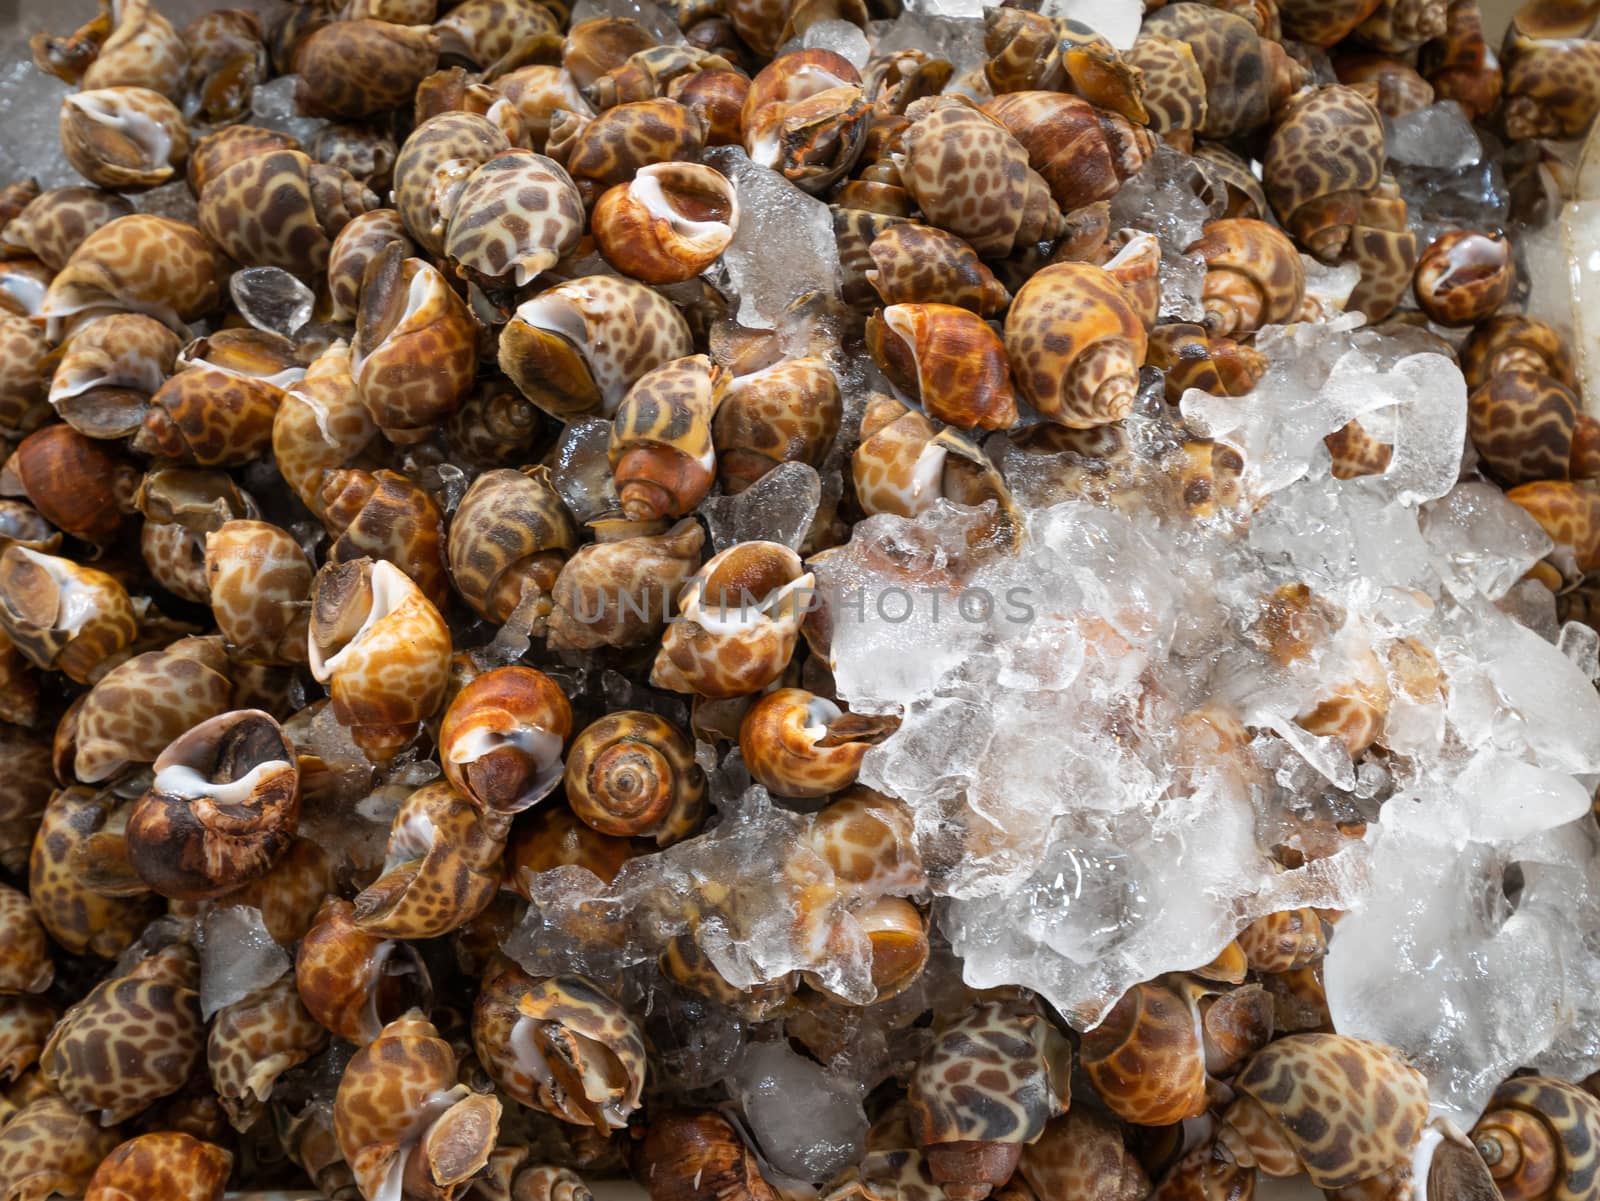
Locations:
{"points": [[271, 299], [237, 957], [808, 1122]]}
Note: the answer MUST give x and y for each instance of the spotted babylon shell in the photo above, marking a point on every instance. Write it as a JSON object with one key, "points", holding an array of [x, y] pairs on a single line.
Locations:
{"points": [[168, 1164], [1235, 60], [281, 209], [134, 1039], [1075, 345], [1254, 276], [1524, 425], [1369, 1105], [79, 918], [55, 222], [123, 138], [254, 1041], [788, 412], [361, 240], [358, 68], [48, 1149], [434, 165], [381, 648], [971, 178], [1541, 1139], [140, 263], [516, 215], [578, 347], [1325, 155]]}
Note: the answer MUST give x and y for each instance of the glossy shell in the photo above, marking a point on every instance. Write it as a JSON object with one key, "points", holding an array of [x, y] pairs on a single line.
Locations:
{"points": [[515, 217], [1317, 195], [668, 223], [1371, 1106], [781, 737], [502, 737], [648, 569], [660, 449], [1075, 345], [634, 774], [1541, 1139], [511, 534], [788, 412], [1463, 277], [1253, 276]]}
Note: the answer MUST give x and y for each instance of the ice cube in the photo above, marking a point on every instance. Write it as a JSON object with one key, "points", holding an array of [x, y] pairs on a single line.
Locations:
{"points": [[1115, 20], [808, 1122], [582, 470], [237, 956], [844, 38], [954, 37], [784, 248], [271, 299], [779, 507], [272, 106], [1165, 199], [652, 16], [1439, 137], [1481, 541]]}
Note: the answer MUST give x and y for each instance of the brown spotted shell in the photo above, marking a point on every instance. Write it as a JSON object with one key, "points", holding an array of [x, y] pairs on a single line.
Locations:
{"points": [[128, 44], [1461, 65], [805, 116], [23, 375], [135, 1038], [1524, 425], [222, 807], [797, 744], [125, 138], [1569, 511], [140, 263], [141, 705], [1082, 1154], [48, 1148], [55, 222], [1325, 155], [984, 1089], [353, 982], [1075, 345], [1253, 276], [76, 483], [609, 148], [384, 515], [514, 217], [63, 616], [1514, 342], [434, 164], [1174, 86], [1397, 26], [79, 918], [578, 347], [1385, 249], [1552, 72], [109, 370], [648, 569], [1283, 941], [381, 648], [400, 1113], [660, 448], [415, 352], [971, 177], [1540, 1139], [1370, 1105], [511, 533], [321, 426], [227, 59], [358, 68], [502, 737], [218, 409], [481, 31], [947, 358], [1146, 1059], [633, 774], [1464, 276], [281, 209], [914, 264], [259, 582], [1247, 77], [443, 867], [254, 1041], [738, 623], [788, 412], [168, 1164], [668, 223], [357, 244], [560, 1045], [1081, 152]]}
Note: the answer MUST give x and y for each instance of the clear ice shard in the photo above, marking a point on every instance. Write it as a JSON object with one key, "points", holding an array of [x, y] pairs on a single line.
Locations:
{"points": [[271, 299], [784, 248], [808, 1122], [778, 507], [237, 956]]}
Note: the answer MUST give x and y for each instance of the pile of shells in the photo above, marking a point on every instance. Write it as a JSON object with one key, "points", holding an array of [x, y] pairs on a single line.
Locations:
{"points": [[370, 490]]}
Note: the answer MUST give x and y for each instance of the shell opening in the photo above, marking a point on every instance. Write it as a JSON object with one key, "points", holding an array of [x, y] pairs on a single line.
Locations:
{"points": [[148, 135], [411, 838], [399, 982], [76, 602], [389, 587], [647, 189], [187, 784], [26, 290], [924, 484], [536, 745], [820, 714]]}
